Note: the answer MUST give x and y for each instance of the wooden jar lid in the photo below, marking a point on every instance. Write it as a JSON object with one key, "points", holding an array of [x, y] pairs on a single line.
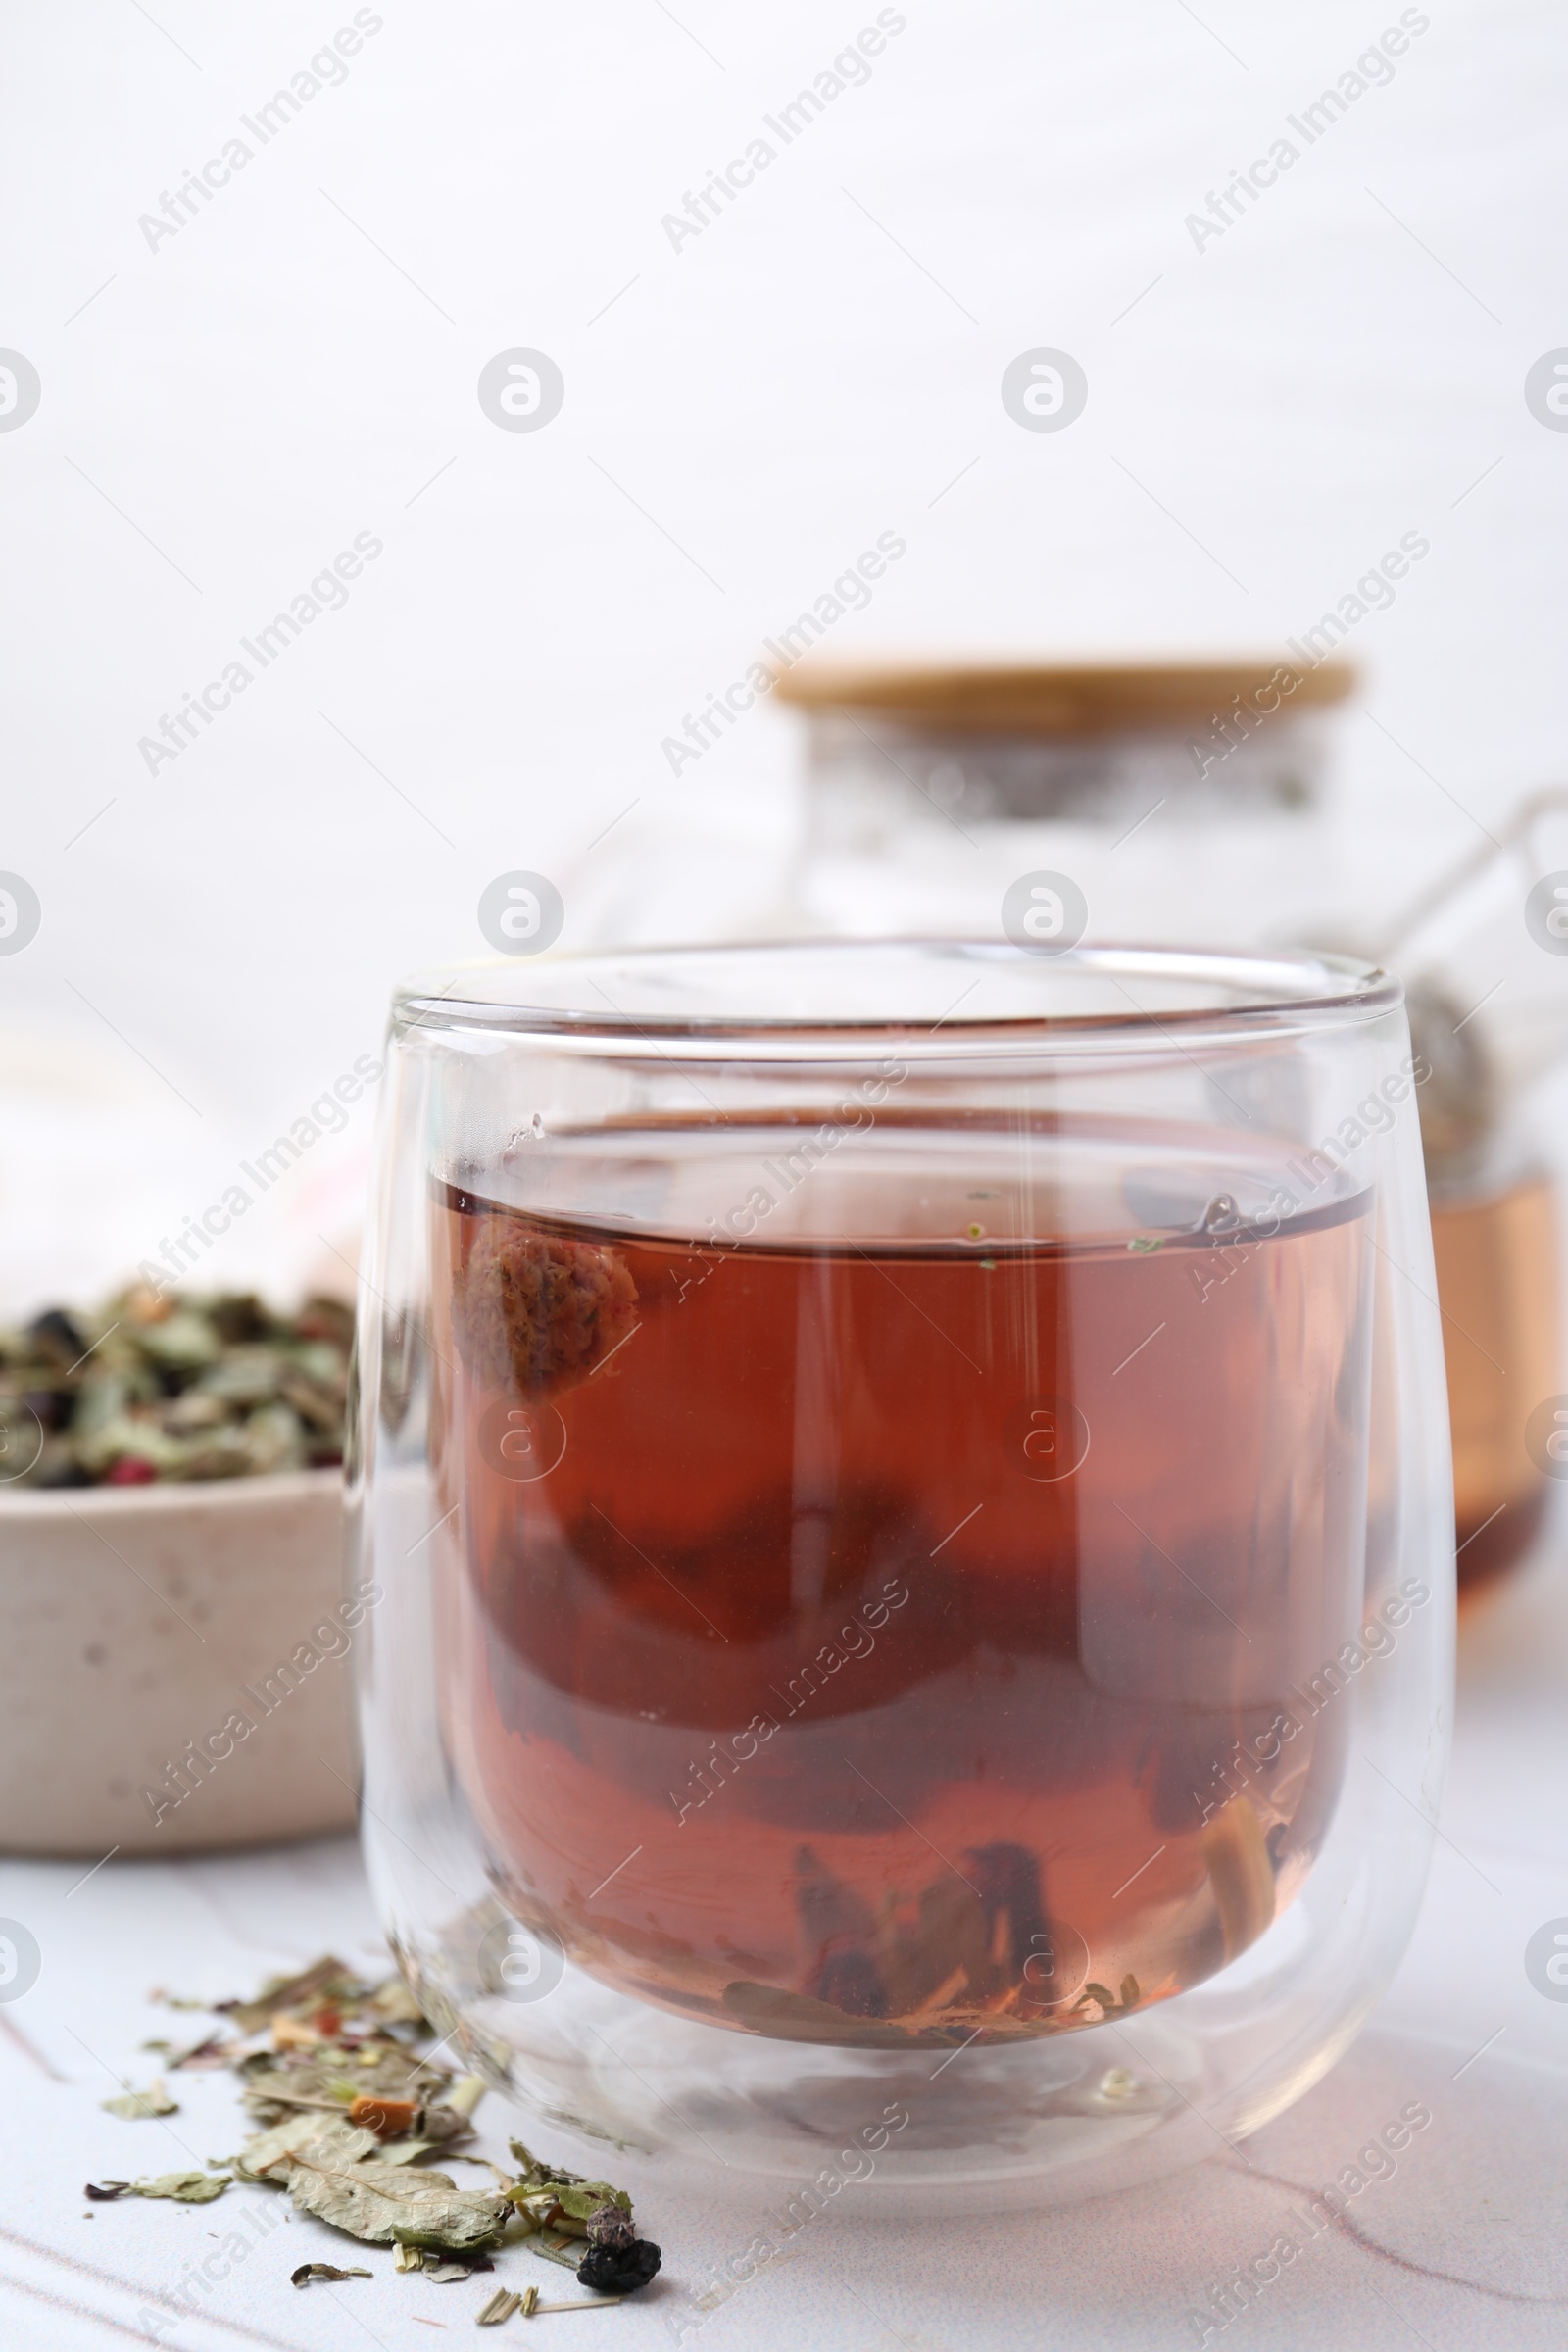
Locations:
{"points": [[1059, 698]]}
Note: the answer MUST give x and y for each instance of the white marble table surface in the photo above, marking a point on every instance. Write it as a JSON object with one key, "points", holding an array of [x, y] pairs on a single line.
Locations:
{"points": [[1461, 2249]]}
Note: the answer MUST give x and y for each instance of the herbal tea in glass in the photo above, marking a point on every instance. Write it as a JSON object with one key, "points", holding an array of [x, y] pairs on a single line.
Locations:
{"points": [[898, 1560]]}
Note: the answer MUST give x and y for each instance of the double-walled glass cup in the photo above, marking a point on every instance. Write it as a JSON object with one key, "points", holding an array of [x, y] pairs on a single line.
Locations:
{"points": [[907, 1497]]}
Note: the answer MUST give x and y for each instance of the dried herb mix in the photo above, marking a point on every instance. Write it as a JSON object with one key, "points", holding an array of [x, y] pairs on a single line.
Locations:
{"points": [[178, 1389], [344, 2110]]}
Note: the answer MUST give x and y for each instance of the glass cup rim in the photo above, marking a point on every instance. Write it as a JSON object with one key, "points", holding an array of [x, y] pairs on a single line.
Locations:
{"points": [[582, 995]]}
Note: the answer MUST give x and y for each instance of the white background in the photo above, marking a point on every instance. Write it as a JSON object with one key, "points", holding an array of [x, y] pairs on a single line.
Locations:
{"points": [[298, 364]]}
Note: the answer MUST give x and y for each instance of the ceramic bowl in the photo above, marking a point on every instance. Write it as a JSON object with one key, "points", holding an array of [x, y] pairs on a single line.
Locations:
{"points": [[173, 1666]]}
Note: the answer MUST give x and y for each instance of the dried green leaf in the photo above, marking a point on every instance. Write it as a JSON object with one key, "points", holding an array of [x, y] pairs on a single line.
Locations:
{"points": [[444, 2273], [395, 2005], [388, 2204], [138, 2105], [407, 2151], [331, 2077], [186, 2189], [587, 2196], [211, 2051], [535, 2170], [310, 1989], [445, 2120], [325, 2140], [567, 2251], [559, 2203], [323, 2270]]}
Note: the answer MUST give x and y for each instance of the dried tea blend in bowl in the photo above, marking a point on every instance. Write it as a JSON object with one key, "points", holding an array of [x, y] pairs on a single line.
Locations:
{"points": [[187, 1387]]}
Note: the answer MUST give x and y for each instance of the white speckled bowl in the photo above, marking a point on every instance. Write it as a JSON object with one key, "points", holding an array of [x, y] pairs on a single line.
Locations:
{"points": [[141, 1627]]}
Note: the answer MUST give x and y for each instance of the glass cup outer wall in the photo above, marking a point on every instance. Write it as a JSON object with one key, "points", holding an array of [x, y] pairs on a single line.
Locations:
{"points": [[1317, 1052]]}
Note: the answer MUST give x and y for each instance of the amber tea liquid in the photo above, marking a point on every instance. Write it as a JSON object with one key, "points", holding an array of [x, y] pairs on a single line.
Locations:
{"points": [[885, 1570]]}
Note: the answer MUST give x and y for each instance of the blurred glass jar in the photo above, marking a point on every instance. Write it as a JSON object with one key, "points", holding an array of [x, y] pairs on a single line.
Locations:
{"points": [[1184, 804], [1484, 954], [1181, 798]]}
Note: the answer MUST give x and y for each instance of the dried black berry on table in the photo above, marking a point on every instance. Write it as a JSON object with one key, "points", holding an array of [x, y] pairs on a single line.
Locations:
{"points": [[619, 2269]]}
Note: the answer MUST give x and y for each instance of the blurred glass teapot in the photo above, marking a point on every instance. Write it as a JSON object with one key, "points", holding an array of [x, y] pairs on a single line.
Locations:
{"points": [[1183, 802]]}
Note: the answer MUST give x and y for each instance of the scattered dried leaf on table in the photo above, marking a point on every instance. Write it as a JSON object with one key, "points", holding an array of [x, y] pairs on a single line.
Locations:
{"points": [[325, 2138], [409, 2151], [582, 2198], [395, 2005], [389, 2204], [309, 1989], [501, 2306], [331, 2077], [295, 2032], [443, 2274], [103, 2192], [567, 2251], [211, 2051], [542, 2185], [443, 2120], [535, 2170], [187, 2188], [136, 2105], [408, 2258], [323, 2270]]}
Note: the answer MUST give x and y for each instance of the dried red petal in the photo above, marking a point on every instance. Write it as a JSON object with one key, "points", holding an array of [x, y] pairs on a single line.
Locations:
{"points": [[388, 2119]]}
